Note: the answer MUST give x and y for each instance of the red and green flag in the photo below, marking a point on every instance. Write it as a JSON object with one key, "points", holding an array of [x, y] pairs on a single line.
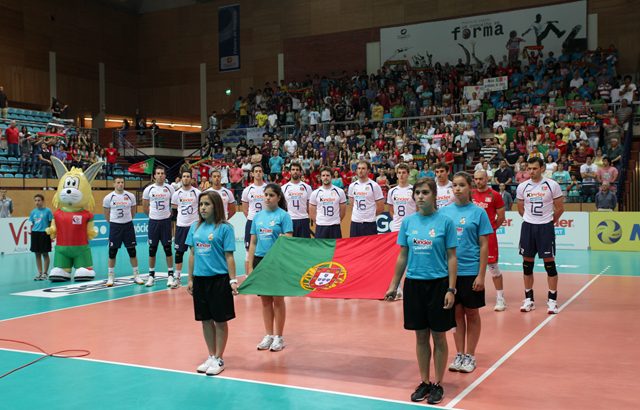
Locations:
{"points": [[351, 268], [143, 167]]}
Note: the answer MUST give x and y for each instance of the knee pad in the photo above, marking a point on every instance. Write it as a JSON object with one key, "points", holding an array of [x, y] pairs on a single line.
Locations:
{"points": [[527, 267], [153, 249], [550, 267], [494, 269], [131, 252], [179, 256], [167, 250], [112, 253]]}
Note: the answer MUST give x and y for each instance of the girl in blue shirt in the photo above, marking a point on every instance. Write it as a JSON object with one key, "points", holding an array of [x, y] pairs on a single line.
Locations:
{"points": [[40, 219], [428, 243], [212, 277], [473, 229], [267, 226]]}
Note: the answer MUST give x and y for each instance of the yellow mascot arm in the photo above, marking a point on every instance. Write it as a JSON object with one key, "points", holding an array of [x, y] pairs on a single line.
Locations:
{"points": [[91, 233], [51, 230]]}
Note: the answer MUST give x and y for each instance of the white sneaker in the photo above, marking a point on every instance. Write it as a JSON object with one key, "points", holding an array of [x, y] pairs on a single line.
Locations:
{"points": [[278, 344], [266, 343], [552, 307], [501, 305], [457, 363], [150, 281], [468, 364], [204, 366], [38, 277], [137, 280], [527, 305], [176, 283], [110, 279], [170, 281], [217, 366]]}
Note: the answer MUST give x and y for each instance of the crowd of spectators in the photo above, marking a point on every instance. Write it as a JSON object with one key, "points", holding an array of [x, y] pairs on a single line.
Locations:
{"points": [[571, 110]]}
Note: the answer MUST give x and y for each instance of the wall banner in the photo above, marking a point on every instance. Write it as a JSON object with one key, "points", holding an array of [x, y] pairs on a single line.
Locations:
{"points": [[229, 38]]}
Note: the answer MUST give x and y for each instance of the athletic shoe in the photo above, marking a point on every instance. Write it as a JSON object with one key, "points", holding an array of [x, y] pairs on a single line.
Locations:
{"points": [[150, 281], [552, 307], [137, 280], [110, 279], [436, 394], [468, 364], [501, 305], [527, 305], [421, 392], [217, 366], [204, 366], [457, 363], [170, 281], [266, 343], [38, 277], [277, 344], [399, 294], [176, 283]]}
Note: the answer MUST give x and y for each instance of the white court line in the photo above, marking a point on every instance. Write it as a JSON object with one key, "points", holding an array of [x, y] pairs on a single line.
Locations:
{"points": [[360, 396], [521, 343], [83, 305]]}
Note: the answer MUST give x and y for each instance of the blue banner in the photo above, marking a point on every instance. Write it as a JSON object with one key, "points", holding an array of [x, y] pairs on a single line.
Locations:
{"points": [[140, 224], [229, 38]]}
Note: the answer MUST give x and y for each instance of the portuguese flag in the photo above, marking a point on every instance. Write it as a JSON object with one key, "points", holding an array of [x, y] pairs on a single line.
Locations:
{"points": [[351, 268], [143, 167]]}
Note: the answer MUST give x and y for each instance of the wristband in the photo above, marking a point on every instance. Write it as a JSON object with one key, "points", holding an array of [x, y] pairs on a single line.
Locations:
{"points": [[452, 290], [232, 281]]}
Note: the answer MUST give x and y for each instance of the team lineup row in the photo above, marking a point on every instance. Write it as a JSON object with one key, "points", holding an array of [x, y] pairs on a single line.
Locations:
{"points": [[446, 231]]}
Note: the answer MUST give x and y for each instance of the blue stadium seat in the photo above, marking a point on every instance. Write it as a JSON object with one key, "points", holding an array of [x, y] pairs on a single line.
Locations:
{"points": [[13, 160], [8, 175], [19, 175]]}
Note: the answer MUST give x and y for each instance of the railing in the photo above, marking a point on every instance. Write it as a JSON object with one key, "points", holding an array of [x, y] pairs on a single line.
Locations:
{"points": [[162, 138]]}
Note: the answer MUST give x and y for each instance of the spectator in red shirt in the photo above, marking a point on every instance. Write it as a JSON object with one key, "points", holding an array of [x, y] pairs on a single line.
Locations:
{"points": [[112, 155], [13, 140]]}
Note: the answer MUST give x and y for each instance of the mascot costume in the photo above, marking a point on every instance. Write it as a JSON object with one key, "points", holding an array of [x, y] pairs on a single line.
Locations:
{"points": [[72, 226]]}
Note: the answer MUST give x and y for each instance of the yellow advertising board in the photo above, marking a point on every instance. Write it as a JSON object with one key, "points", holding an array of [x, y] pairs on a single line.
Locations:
{"points": [[614, 231]]}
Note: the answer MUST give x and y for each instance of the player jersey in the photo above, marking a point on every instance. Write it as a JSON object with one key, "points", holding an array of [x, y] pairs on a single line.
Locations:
{"points": [[254, 196], [364, 197], [445, 195], [186, 202], [119, 206], [297, 196], [490, 201], [327, 203], [74, 232], [159, 198], [227, 198], [538, 199], [401, 198]]}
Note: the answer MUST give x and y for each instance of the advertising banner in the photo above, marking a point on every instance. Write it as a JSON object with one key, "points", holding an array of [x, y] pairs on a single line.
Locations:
{"points": [[615, 231], [572, 230], [495, 84], [483, 39], [229, 37]]}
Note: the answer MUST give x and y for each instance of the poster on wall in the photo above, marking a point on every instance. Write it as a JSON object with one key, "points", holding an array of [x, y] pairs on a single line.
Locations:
{"points": [[229, 38], [483, 39]]}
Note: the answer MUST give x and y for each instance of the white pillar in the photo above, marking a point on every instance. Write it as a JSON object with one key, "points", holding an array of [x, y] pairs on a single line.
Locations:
{"points": [[280, 67], [592, 31], [373, 57]]}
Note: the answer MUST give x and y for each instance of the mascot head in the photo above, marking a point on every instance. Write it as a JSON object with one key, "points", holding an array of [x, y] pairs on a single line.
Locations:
{"points": [[74, 188]]}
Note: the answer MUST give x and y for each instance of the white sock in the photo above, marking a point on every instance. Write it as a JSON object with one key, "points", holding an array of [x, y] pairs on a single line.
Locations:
{"points": [[110, 270], [178, 273], [135, 270], [500, 293]]}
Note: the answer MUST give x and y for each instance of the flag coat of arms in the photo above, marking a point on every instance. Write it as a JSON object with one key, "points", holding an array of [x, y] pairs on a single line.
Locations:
{"points": [[350, 268], [142, 167]]}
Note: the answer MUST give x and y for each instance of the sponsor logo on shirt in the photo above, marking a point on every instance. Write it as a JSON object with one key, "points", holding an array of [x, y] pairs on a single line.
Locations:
{"points": [[266, 231], [432, 233], [203, 245], [76, 219], [422, 242]]}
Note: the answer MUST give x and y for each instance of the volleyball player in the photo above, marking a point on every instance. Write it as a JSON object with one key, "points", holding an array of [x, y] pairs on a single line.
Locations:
{"points": [[156, 202], [445, 187], [493, 204], [401, 203], [228, 200], [327, 207], [368, 202], [540, 203], [297, 193], [272, 222], [473, 229], [428, 244], [185, 201], [212, 277], [252, 200], [119, 210]]}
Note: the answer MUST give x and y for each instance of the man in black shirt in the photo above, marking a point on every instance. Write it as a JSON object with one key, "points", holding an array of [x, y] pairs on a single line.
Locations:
{"points": [[503, 175]]}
